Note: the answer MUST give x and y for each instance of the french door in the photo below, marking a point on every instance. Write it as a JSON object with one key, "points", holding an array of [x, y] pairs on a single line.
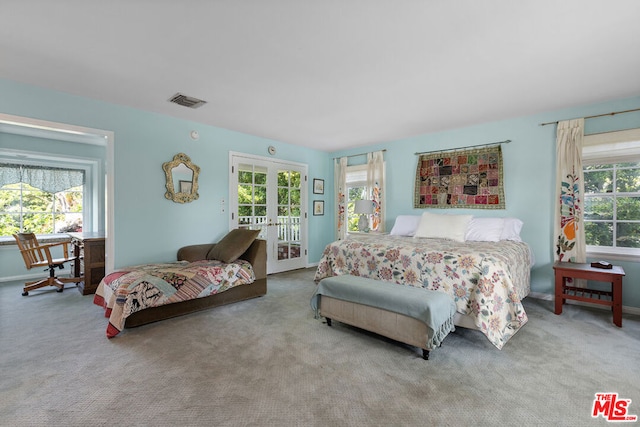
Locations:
{"points": [[271, 196]]}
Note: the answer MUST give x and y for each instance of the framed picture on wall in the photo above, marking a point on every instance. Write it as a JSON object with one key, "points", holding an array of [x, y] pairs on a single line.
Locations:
{"points": [[318, 207], [318, 186]]}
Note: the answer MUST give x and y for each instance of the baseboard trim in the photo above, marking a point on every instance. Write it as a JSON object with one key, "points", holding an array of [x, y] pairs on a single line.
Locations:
{"points": [[549, 297], [21, 278], [27, 277]]}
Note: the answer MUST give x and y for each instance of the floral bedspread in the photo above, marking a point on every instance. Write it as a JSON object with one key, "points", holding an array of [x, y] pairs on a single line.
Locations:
{"points": [[487, 280], [132, 289]]}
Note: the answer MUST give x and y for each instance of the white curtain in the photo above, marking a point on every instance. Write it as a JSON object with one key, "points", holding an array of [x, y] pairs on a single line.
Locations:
{"points": [[569, 218], [375, 185], [340, 191]]}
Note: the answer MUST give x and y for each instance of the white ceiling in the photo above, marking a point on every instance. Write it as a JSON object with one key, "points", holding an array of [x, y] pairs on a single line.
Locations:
{"points": [[329, 74]]}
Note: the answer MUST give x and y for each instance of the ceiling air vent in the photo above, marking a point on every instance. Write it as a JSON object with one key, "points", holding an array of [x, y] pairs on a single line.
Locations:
{"points": [[187, 101]]}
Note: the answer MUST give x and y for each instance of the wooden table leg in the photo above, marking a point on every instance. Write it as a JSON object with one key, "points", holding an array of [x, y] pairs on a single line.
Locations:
{"points": [[559, 300], [76, 261], [616, 290]]}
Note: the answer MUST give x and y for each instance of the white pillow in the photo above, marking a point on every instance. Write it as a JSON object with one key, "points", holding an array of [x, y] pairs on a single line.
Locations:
{"points": [[453, 227], [485, 229], [405, 225], [511, 230]]}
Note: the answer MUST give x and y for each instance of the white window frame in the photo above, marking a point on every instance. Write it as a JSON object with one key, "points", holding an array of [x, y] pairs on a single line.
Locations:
{"points": [[91, 169], [612, 148]]}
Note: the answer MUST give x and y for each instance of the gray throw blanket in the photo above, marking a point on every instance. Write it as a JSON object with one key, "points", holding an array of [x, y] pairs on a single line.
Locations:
{"points": [[433, 308]]}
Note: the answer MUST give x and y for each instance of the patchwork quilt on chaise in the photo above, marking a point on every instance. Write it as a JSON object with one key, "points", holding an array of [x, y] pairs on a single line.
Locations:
{"points": [[132, 289]]}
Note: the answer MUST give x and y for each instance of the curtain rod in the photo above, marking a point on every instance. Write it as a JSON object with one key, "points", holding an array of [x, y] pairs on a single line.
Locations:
{"points": [[506, 141], [361, 154], [613, 113]]}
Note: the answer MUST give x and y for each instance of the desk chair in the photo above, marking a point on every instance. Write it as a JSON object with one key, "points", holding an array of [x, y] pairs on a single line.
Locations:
{"points": [[37, 255]]}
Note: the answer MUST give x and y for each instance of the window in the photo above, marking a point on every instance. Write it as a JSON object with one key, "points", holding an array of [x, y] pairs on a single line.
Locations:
{"points": [[356, 190], [611, 165], [612, 205], [42, 200], [24, 208]]}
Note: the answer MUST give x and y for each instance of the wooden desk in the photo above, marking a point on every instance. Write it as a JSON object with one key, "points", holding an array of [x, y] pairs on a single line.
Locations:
{"points": [[89, 247], [613, 299]]}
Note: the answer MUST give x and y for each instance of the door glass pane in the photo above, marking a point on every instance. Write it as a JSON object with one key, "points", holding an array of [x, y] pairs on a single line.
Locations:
{"points": [[283, 211], [245, 176], [283, 196], [245, 211], [261, 177], [260, 194], [283, 178], [245, 193], [295, 179], [295, 197], [261, 211], [260, 221], [288, 214], [252, 198]]}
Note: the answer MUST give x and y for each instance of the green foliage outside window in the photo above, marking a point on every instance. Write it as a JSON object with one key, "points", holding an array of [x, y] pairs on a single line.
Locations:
{"points": [[612, 205], [252, 195], [354, 193], [26, 209]]}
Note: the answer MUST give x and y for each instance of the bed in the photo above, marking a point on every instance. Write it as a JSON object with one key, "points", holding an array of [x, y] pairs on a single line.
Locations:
{"points": [[487, 278], [135, 296]]}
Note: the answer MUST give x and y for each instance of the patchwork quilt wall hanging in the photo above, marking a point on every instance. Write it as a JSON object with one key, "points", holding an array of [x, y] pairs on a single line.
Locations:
{"points": [[469, 178]]}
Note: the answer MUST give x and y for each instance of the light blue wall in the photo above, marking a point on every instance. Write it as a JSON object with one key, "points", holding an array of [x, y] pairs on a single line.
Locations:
{"points": [[529, 176], [149, 228], [43, 145]]}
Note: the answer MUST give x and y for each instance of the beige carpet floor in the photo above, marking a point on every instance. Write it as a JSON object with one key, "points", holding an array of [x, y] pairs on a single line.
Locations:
{"points": [[268, 362]]}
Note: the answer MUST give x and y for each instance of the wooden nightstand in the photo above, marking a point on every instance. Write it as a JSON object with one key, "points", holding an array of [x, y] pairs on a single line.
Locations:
{"points": [[613, 299]]}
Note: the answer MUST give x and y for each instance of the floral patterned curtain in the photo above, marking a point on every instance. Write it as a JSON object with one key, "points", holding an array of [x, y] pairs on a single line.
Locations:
{"points": [[375, 185], [51, 180], [340, 191], [569, 224]]}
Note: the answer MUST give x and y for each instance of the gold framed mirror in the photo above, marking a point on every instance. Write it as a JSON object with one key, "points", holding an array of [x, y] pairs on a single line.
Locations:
{"points": [[182, 179]]}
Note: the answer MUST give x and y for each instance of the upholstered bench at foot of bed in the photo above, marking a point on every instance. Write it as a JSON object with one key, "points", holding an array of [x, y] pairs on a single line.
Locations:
{"points": [[411, 315]]}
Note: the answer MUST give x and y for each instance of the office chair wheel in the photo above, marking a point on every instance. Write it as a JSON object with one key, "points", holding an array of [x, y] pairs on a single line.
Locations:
{"points": [[59, 290], [25, 293]]}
